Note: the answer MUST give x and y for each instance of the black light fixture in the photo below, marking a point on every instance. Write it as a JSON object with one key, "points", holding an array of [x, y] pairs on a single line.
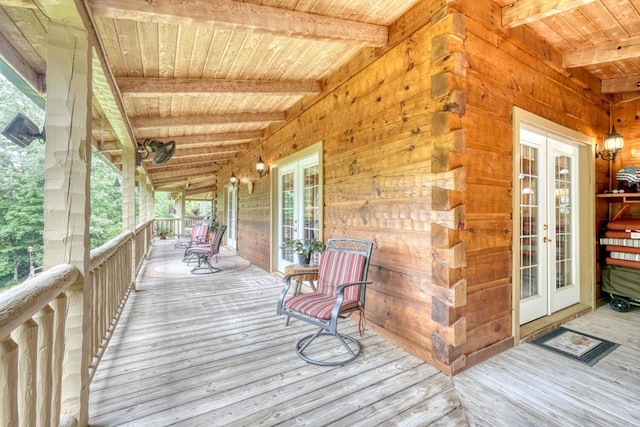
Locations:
{"points": [[22, 131], [162, 151], [262, 168], [613, 143], [233, 180], [116, 183]]}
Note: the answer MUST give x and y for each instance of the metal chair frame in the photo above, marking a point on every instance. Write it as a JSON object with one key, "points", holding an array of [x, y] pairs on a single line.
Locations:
{"points": [[204, 254], [329, 326]]}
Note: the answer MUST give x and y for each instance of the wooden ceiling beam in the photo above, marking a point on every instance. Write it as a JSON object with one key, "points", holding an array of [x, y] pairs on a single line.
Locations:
{"points": [[180, 177], [217, 139], [23, 4], [238, 16], [624, 84], [200, 190], [525, 11], [15, 59], [160, 122], [214, 162], [616, 50], [149, 87]]}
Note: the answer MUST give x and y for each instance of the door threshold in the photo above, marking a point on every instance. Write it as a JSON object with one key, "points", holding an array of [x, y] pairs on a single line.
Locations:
{"points": [[538, 327]]}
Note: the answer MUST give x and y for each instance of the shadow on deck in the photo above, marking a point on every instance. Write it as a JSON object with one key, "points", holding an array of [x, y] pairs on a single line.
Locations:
{"points": [[209, 350]]}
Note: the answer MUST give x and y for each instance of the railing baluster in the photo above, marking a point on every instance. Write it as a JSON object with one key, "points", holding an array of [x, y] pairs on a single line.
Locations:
{"points": [[26, 336], [44, 320], [8, 377], [59, 305]]}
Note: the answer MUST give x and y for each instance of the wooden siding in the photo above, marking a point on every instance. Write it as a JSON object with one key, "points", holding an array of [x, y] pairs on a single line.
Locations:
{"points": [[418, 158], [502, 73]]}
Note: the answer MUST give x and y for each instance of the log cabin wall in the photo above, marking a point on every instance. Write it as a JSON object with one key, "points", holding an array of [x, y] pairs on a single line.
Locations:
{"points": [[418, 158], [504, 71]]}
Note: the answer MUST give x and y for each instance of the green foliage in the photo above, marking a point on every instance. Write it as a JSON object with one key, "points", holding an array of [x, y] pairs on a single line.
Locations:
{"points": [[305, 247], [21, 198], [106, 203]]}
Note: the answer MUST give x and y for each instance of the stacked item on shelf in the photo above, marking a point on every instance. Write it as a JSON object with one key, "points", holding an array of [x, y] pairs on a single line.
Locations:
{"points": [[621, 274]]}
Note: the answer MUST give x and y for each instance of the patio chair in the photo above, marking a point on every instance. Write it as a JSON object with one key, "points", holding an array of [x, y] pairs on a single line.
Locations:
{"points": [[204, 254], [199, 235], [340, 290]]}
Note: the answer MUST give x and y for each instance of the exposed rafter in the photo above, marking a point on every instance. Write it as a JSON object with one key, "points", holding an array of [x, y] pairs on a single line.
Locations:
{"points": [[525, 11], [159, 122], [234, 15], [147, 87], [627, 84], [605, 52]]}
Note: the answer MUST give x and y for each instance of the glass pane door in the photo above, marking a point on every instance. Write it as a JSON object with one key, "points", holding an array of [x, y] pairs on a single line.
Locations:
{"points": [[299, 205], [548, 267]]}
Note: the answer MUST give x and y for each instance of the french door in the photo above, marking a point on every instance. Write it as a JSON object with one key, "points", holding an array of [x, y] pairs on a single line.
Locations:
{"points": [[549, 238], [299, 205]]}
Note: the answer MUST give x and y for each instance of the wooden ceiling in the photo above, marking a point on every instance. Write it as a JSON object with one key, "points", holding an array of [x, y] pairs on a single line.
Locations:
{"points": [[217, 76]]}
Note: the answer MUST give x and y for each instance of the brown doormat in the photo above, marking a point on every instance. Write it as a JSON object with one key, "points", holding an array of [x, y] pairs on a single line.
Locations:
{"points": [[575, 345]]}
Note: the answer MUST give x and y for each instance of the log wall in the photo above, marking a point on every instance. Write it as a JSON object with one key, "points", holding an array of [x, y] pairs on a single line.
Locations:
{"points": [[418, 158]]}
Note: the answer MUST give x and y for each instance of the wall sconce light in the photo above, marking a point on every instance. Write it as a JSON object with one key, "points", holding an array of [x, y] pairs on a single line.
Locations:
{"points": [[233, 180], [613, 143], [262, 168]]}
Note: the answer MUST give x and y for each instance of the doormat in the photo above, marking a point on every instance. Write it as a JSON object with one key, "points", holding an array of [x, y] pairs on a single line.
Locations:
{"points": [[575, 345]]}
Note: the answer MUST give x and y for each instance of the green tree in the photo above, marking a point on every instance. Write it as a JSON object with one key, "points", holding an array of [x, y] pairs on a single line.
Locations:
{"points": [[21, 197]]}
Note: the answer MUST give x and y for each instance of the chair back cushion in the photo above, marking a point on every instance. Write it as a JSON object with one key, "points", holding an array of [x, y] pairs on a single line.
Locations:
{"points": [[337, 267], [200, 232]]}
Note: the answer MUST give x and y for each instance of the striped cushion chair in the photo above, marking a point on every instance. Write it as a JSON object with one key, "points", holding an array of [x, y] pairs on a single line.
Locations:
{"points": [[340, 290]]}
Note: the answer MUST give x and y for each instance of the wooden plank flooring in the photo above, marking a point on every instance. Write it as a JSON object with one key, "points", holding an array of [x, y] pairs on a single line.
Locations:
{"points": [[209, 350], [530, 386]]}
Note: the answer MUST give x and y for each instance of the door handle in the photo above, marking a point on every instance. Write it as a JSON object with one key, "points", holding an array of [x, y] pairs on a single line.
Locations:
{"points": [[546, 239]]}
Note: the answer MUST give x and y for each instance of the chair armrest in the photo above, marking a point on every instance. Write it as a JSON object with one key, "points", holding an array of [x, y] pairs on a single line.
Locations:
{"points": [[340, 289], [340, 296], [283, 293]]}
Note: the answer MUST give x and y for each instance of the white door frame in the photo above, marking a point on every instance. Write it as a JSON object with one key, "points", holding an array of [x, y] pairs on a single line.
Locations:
{"points": [[586, 187], [314, 150]]}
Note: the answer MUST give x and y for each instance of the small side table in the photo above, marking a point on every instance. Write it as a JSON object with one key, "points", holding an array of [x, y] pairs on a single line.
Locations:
{"points": [[312, 271]]}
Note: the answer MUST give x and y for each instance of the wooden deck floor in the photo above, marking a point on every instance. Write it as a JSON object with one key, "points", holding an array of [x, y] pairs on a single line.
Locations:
{"points": [[209, 350]]}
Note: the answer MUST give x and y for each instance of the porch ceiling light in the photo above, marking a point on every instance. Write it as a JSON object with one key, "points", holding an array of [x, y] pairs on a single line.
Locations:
{"points": [[162, 151], [262, 168]]}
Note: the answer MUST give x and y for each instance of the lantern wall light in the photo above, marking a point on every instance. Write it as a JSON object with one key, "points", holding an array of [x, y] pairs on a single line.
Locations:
{"points": [[262, 168]]}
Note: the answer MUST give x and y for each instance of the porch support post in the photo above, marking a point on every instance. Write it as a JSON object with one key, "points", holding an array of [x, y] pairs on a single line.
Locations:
{"points": [[66, 200], [129, 202], [128, 188], [151, 201], [180, 212]]}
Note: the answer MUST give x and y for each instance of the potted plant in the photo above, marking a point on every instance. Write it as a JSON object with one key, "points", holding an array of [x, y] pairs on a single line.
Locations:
{"points": [[304, 248], [161, 232]]}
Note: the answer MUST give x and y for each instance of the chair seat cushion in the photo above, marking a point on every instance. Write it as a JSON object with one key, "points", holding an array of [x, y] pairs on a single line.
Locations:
{"points": [[200, 250], [317, 305]]}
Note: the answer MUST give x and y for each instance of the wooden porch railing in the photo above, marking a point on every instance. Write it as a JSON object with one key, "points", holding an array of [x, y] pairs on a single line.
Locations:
{"points": [[36, 370]]}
